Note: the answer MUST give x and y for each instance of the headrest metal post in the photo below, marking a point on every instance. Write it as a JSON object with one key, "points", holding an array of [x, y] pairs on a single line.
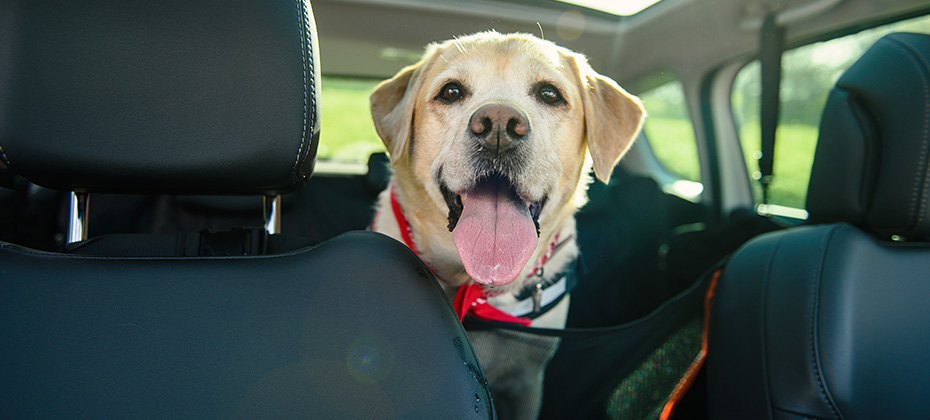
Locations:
{"points": [[77, 224], [272, 214]]}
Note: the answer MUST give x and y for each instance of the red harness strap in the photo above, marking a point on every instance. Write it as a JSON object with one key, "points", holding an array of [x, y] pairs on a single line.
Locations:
{"points": [[470, 297], [402, 222]]}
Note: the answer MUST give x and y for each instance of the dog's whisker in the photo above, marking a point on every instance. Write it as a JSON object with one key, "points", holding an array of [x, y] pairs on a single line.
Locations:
{"points": [[460, 47]]}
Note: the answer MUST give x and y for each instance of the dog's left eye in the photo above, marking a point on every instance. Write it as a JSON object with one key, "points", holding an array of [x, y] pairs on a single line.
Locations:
{"points": [[549, 94], [451, 92]]}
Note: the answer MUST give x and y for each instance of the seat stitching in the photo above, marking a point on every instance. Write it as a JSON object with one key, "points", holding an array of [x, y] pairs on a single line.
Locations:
{"points": [[926, 184], [917, 211], [817, 276], [764, 327], [304, 41]]}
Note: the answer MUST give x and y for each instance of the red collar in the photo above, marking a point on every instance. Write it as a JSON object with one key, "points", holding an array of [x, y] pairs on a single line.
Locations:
{"points": [[470, 297], [402, 222]]}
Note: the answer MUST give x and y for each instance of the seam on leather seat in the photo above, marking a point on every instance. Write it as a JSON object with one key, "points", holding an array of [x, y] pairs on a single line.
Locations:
{"points": [[861, 118], [8, 247], [309, 101], [917, 194], [816, 281], [767, 391]]}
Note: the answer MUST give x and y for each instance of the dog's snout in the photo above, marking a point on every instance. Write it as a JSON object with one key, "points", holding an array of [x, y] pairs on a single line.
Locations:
{"points": [[498, 127]]}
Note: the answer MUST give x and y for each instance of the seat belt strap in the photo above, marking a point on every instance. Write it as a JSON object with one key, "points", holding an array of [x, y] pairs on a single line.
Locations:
{"points": [[771, 45]]}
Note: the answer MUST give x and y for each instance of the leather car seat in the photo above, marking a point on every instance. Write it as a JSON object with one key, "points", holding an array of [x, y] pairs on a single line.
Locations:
{"points": [[200, 97], [829, 320]]}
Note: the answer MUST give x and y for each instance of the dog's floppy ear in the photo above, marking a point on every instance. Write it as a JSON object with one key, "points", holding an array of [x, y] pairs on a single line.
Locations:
{"points": [[612, 117], [392, 104]]}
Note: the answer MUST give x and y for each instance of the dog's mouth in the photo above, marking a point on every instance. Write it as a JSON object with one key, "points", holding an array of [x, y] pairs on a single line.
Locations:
{"points": [[494, 229], [454, 201]]}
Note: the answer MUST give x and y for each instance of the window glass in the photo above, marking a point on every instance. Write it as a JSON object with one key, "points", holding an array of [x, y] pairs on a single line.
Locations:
{"points": [[346, 132], [808, 74], [669, 130]]}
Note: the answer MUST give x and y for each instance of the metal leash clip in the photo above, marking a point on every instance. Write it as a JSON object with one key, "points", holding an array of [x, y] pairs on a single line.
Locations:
{"points": [[537, 297]]}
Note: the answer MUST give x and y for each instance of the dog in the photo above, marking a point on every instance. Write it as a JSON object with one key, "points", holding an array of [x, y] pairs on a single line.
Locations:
{"points": [[491, 138]]}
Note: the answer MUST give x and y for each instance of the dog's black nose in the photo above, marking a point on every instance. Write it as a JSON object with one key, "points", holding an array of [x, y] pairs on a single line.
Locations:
{"points": [[498, 127]]}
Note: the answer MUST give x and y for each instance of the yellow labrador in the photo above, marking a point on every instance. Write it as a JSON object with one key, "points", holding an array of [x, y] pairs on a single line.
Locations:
{"points": [[491, 137]]}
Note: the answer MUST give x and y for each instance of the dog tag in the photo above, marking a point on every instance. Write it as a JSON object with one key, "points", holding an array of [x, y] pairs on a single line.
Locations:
{"points": [[537, 297]]}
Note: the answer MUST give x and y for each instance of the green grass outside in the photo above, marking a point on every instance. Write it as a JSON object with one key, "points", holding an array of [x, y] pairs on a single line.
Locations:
{"points": [[672, 140], [794, 156], [346, 132]]}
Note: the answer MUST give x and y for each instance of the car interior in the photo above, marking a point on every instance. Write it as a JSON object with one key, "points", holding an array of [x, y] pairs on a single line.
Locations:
{"points": [[245, 323], [825, 320], [177, 241]]}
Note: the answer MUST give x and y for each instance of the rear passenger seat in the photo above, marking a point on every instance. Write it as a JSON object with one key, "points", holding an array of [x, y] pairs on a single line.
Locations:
{"points": [[37, 217]]}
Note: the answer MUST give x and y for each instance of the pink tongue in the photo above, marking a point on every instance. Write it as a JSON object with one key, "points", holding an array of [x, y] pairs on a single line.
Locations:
{"points": [[495, 235]]}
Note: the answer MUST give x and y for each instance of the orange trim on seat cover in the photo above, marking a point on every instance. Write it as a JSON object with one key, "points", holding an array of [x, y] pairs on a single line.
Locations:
{"points": [[691, 374]]}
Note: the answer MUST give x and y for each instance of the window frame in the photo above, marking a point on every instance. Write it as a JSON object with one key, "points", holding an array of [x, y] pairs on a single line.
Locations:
{"points": [[738, 193]]}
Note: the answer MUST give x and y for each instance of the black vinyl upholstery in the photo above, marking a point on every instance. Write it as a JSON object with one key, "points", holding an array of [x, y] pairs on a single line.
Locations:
{"points": [[200, 97], [829, 320], [207, 96], [873, 153], [308, 334]]}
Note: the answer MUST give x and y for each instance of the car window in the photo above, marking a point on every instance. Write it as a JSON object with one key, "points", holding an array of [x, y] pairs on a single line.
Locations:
{"points": [[669, 130], [346, 131], [348, 135], [808, 74]]}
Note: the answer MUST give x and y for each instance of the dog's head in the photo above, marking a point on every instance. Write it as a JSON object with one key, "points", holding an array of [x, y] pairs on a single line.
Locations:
{"points": [[495, 129]]}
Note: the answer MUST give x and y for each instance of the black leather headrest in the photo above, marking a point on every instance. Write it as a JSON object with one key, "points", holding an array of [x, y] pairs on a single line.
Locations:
{"points": [[871, 163], [175, 96]]}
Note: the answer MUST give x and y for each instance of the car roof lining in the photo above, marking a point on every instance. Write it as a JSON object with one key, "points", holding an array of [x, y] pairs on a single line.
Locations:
{"points": [[375, 38]]}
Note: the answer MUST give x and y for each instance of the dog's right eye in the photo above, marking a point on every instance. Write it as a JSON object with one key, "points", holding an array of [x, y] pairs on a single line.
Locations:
{"points": [[549, 94], [451, 92]]}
